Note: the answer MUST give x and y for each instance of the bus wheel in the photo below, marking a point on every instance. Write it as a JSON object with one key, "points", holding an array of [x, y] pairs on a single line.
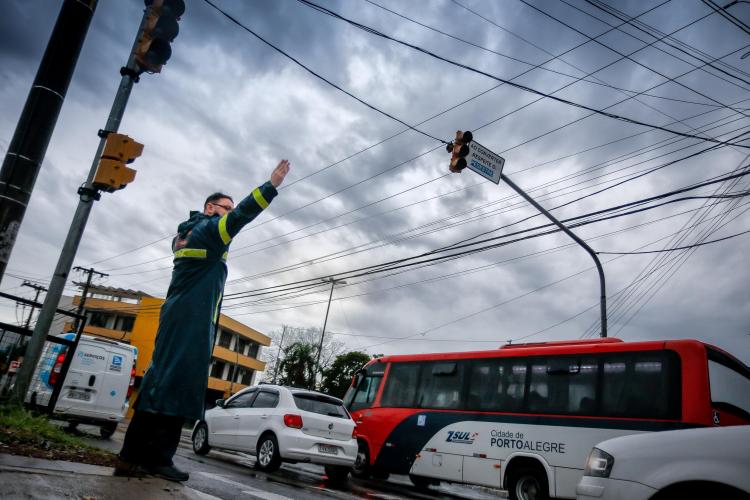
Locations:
{"points": [[421, 482], [527, 483], [361, 468]]}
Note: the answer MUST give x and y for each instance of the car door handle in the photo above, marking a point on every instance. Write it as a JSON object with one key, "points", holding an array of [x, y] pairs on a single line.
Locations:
{"points": [[264, 416], [236, 417]]}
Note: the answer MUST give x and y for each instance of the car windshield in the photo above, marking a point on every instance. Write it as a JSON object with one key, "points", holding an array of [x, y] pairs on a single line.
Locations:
{"points": [[321, 405]]}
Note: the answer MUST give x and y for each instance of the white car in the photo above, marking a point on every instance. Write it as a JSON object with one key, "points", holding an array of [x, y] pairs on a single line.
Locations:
{"points": [[705, 464], [281, 424]]}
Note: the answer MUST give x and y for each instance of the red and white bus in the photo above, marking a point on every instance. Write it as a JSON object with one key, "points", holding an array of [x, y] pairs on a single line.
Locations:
{"points": [[524, 417]]}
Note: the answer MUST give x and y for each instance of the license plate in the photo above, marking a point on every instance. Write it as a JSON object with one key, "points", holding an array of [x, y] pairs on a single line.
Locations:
{"points": [[82, 395], [330, 450]]}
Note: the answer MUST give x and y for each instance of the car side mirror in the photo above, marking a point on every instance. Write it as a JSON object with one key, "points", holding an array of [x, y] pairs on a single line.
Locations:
{"points": [[220, 403]]}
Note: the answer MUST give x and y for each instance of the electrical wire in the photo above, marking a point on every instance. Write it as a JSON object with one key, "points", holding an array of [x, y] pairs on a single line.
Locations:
{"points": [[508, 82]]}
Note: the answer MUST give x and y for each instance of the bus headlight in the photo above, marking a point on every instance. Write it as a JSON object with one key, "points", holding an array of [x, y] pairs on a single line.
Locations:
{"points": [[599, 463]]}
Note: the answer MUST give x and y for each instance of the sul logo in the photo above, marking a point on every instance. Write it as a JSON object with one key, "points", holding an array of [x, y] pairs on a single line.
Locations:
{"points": [[461, 437]]}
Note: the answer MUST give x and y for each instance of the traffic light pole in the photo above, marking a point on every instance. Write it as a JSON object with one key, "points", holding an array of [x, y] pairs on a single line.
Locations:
{"points": [[88, 194], [564, 228]]}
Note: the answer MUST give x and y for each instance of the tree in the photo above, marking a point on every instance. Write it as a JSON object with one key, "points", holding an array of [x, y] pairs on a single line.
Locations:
{"points": [[298, 366], [338, 377], [293, 335]]}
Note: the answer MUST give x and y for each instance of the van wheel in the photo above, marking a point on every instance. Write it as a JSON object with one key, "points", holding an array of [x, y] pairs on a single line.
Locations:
{"points": [[528, 483], [107, 430], [421, 482], [268, 458], [200, 439], [337, 473], [361, 468]]}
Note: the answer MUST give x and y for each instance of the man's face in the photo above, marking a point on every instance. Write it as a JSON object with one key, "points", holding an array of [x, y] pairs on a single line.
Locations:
{"points": [[219, 207]]}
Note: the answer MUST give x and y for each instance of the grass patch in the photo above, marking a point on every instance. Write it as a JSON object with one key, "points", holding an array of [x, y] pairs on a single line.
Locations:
{"points": [[27, 434]]}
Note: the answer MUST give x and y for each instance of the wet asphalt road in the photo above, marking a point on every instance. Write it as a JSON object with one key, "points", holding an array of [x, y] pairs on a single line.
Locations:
{"points": [[230, 475]]}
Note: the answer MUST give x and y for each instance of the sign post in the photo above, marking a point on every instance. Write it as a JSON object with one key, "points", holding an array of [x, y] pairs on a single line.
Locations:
{"points": [[490, 166]]}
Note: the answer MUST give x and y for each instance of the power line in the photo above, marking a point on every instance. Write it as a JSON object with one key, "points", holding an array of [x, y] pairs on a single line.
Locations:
{"points": [[509, 82], [687, 247]]}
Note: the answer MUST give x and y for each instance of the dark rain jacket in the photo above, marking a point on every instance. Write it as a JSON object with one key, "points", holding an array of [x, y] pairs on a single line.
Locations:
{"points": [[175, 383]]}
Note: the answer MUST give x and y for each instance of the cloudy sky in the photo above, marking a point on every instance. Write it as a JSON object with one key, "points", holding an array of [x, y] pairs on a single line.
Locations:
{"points": [[365, 190]]}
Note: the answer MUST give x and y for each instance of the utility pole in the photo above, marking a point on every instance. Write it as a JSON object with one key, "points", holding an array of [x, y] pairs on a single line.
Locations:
{"points": [[39, 289], [146, 54], [278, 354], [333, 283], [38, 118], [85, 288]]}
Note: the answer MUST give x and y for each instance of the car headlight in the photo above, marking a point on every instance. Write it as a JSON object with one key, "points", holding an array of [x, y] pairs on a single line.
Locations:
{"points": [[599, 463]]}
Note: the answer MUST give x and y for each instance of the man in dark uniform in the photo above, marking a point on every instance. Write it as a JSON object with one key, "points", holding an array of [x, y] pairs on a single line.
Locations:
{"points": [[174, 386]]}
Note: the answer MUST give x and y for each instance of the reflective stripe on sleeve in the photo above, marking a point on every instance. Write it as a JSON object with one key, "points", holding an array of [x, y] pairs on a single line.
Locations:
{"points": [[259, 198], [193, 253], [223, 230], [224, 256]]}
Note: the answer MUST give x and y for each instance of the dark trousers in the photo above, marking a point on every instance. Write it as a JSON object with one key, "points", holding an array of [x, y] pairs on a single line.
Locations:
{"points": [[151, 438]]}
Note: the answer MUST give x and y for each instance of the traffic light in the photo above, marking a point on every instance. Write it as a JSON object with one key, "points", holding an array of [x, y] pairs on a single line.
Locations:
{"points": [[459, 149], [111, 173], [160, 28]]}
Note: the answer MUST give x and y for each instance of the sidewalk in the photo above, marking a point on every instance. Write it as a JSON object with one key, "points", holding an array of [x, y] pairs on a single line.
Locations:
{"points": [[25, 477]]}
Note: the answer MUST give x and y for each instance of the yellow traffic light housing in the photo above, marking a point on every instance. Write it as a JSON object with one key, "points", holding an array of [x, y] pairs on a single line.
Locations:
{"points": [[111, 173]]}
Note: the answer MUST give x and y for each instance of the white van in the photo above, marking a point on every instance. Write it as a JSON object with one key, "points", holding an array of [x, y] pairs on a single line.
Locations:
{"points": [[98, 384]]}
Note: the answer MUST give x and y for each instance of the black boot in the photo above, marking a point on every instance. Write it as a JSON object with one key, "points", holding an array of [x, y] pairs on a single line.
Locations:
{"points": [[168, 472]]}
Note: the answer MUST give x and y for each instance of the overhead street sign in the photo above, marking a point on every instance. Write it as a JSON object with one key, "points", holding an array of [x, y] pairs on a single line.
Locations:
{"points": [[484, 162]]}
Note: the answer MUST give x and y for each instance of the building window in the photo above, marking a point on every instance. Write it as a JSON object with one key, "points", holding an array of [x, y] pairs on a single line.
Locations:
{"points": [[252, 350], [225, 339], [247, 377], [98, 319], [217, 369], [124, 323]]}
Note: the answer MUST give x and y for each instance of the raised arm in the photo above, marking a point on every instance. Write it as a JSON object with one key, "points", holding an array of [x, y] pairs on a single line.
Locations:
{"points": [[250, 207]]}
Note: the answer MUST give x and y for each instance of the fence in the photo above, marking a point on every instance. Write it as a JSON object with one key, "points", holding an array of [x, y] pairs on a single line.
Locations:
{"points": [[53, 364]]}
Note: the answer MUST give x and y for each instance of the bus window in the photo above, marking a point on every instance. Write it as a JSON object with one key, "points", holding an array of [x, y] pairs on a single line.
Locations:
{"points": [[485, 384], [730, 389], [441, 385], [515, 386], [401, 385], [641, 385]]}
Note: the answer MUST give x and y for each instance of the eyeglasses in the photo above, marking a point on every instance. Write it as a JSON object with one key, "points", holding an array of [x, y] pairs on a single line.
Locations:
{"points": [[228, 209]]}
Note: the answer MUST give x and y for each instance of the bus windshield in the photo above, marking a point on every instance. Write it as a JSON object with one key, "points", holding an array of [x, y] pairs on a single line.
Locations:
{"points": [[362, 392]]}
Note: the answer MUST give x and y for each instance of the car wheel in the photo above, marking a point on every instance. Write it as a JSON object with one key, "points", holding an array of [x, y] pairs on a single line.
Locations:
{"points": [[361, 468], [200, 439], [107, 430], [268, 458], [337, 473], [528, 483]]}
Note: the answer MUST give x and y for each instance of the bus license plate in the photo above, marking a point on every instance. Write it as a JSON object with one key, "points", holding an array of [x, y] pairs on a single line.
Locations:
{"points": [[330, 450], [82, 395]]}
